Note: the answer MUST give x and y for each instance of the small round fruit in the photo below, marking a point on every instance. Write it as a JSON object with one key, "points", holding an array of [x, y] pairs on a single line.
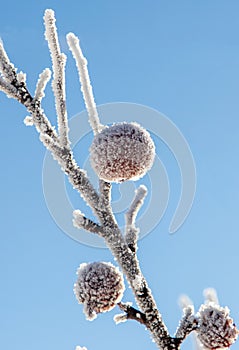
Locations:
{"points": [[123, 151], [99, 286]]}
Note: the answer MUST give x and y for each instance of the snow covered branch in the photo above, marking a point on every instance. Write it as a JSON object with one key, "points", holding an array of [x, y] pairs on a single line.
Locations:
{"points": [[121, 152], [58, 83], [86, 88], [44, 77], [80, 221], [131, 232]]}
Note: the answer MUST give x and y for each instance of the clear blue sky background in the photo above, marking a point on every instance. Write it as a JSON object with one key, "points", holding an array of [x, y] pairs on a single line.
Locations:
{"points": [[179, 57]]}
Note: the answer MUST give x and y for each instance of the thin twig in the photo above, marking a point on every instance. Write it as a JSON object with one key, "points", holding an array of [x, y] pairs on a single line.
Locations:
{"points": [[80, 221], [58, 84], [44, 77], [86, 88], [131, 232], [187, 324]]}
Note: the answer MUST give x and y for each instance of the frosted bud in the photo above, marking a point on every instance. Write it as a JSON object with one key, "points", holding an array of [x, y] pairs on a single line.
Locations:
{"points": [[99, 287], [216, 329], [123, 151]]}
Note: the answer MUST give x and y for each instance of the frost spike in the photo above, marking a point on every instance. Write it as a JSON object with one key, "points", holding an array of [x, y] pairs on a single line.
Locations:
{"points": [[80, 221], [44, 77], [58, 84], [131, 232], [86, 88]]}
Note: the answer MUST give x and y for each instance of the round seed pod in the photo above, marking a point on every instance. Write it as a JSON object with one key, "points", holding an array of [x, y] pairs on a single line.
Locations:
{"points": [[123, 151], [216, 329], [99, 286]]}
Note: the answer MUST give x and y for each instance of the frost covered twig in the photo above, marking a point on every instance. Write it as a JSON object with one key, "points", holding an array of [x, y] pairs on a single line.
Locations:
{"points": [[80, 221], [131, 232], [187, 324], [86, 88], [8, 89], [58, 83], [44, 77], [124, 151], [105, 192]]}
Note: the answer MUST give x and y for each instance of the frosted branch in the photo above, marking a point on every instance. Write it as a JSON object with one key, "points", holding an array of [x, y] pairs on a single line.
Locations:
{"points": [[6, 67], [80, 221], [58, 84], [8, 89], [186, 304], [44, 77], [188, 324], [21, 77], [105, 192], [135, 206], [131, 232], [86, 88], [123, 248]]}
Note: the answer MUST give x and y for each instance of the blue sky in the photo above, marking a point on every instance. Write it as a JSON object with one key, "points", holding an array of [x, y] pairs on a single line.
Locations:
{"points": [[180, 58]]}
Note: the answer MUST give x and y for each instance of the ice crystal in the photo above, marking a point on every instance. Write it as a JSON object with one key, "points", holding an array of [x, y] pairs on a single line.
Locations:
{"points": [[28, 121], [123, 151], [216, 329], [99, 287], [120, 318]]}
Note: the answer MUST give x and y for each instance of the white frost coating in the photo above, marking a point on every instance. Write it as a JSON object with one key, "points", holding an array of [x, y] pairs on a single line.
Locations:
{"points": [[7, 69], [86, 88], [78, 218], [44, 77], [137, 282], [99, 286], [140, 194], [58, 83], [28, 121], [123, 151], [131, 232], [120, 318], [8, 89], [210, 296], [21, 77], [187, 323]]}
